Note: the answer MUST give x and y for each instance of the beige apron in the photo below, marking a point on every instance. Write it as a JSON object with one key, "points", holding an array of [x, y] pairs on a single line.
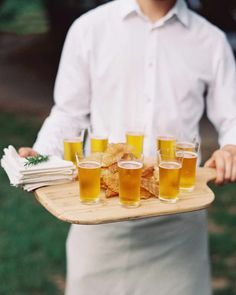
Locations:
{"points": [[164, 255]]}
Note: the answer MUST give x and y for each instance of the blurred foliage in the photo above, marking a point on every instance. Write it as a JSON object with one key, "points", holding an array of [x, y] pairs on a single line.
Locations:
{"points": [[23, 17], [37, 16]]}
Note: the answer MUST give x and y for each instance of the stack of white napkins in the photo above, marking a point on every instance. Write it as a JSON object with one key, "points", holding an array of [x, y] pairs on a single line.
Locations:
{"points": [[54, 171]]}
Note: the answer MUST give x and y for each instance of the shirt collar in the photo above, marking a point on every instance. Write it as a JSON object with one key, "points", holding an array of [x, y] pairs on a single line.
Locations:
{"points": [[180, 10], [128, 7]]}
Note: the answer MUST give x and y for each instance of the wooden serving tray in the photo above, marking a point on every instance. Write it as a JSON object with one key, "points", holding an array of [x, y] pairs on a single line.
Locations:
{"points": [[63, 202]]}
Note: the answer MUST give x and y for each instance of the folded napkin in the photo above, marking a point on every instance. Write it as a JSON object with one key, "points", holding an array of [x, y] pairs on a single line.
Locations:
{"points": [[54, 171]]}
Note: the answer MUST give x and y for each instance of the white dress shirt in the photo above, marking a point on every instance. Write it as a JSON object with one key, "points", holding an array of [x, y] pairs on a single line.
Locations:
{"points": [[119, 70]]}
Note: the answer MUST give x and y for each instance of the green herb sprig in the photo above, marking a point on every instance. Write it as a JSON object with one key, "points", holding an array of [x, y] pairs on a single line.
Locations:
{"points": [[33, 161]]}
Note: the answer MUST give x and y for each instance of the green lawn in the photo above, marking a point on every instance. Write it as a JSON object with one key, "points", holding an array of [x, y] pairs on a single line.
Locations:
{"points": [[32, 242], [222, 219], [32, 253]]}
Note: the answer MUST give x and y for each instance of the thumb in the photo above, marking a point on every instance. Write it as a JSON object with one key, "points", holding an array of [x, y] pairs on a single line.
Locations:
{"points": [[26, 152]]}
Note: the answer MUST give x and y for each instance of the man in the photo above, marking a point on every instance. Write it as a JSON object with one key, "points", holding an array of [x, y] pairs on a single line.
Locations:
{"points": [[148, 63]]}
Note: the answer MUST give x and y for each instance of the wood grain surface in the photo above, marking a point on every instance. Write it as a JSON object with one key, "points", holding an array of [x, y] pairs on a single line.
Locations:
{"points": [[62, 201]]}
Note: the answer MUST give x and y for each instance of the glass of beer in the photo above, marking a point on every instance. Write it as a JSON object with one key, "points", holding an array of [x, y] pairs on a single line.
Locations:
{"points": [[135, 140], [89, 174], [166, 145], [129, 182], [98, 141], [72, 146], [188, 171], [169, 175]]}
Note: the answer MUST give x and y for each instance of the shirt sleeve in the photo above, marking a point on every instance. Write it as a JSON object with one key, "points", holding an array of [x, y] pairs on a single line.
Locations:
{"points": [[71, 110], [221, 98]]}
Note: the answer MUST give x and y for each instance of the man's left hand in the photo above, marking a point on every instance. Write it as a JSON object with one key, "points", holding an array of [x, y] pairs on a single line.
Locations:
{"points": [[224, 160]]}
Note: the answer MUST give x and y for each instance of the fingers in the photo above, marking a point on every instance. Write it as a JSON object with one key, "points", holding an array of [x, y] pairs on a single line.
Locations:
{"points": [[26, 152], [233, 173], [210, 163], [228, 160], [225, 167], [220, 167]]}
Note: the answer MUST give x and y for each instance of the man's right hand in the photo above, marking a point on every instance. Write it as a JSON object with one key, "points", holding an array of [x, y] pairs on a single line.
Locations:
{"points": [[25, 152]]}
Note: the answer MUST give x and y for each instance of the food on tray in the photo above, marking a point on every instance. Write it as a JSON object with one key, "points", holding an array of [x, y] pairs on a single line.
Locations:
{"points": [[110, 178]]}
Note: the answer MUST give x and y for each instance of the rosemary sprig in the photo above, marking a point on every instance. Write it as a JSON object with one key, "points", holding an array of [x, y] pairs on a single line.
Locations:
{"points": [[33, 161]]}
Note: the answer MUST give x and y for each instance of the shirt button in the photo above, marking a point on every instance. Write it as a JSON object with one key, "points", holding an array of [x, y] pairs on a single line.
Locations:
{"points": [[148, 99], [150, 64]]}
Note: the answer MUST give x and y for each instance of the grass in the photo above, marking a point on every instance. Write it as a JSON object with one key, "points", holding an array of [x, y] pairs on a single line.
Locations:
{"points": [[223, 239], [32, 241]]}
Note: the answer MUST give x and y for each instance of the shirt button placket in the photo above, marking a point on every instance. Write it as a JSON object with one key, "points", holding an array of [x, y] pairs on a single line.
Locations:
{"points": [[149, 85]]}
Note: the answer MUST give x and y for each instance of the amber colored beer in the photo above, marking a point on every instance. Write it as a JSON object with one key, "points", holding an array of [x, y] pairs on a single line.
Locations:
{"points": [[169, 180], [185, 146], [135, 140], [89, 181], [188, 171], [129, 183], [98, 144], [71, 147], [166, 145]]}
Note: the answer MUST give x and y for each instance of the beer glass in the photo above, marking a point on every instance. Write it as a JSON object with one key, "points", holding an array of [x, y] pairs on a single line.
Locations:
{"points": [[135, 137], [188, 171], [169, 175], [98, 141], [129, 182], [135, 140], [166, 145], [72, 146], [89, 174]]}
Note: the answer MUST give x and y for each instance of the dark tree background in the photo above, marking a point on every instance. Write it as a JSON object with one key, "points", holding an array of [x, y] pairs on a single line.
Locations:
{"points": [[62, 13]]}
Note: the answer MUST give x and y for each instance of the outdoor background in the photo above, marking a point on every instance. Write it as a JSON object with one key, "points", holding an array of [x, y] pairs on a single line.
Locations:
{"points": [[32, 242]]}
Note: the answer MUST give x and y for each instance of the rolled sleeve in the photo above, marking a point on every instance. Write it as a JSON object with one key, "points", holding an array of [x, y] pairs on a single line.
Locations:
{"points": [[221, 98], [71, 94]]}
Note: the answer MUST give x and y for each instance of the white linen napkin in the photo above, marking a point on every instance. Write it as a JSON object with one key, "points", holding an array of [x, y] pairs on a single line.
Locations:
{"points": [[54, 171]]}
